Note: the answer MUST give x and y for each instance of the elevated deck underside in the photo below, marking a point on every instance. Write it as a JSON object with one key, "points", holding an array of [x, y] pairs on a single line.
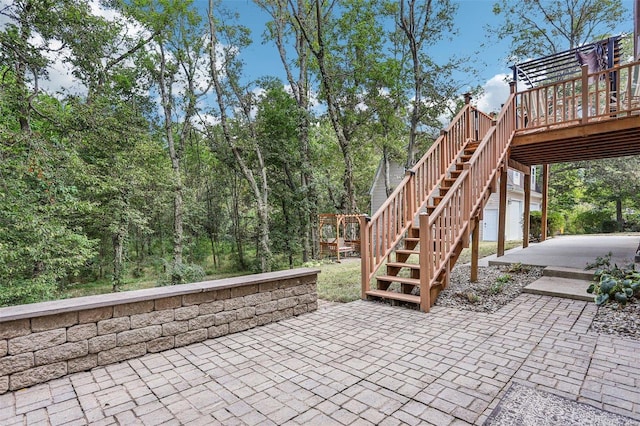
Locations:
{"points": [[615, 137]]}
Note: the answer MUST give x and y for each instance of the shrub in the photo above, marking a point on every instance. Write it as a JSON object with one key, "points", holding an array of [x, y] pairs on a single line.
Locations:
{"points": [[555, 224], [613, 283], [182, 274]]}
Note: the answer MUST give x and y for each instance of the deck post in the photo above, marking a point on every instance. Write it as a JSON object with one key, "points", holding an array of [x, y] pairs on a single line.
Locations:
{"points": [[526, 219], [585, 94], [426, 262], [411, 202], [467, 121], [365, 255], [502, 212], [475, 242], [443, 151], [545, 202]]}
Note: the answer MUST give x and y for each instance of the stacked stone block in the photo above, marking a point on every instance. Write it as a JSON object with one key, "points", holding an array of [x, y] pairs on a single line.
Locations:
{"points": [[45, 341]]}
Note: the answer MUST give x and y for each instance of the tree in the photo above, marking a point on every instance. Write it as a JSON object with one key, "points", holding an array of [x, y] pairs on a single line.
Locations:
{"points": [[225, 72], [423, 24], [282, 30], [177, 61], [539, 28], [347, 44]]}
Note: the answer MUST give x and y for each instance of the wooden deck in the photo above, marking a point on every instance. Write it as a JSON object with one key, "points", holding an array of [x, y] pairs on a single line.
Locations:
{"points": [[609, 137], [589, 117], [435, 210]]}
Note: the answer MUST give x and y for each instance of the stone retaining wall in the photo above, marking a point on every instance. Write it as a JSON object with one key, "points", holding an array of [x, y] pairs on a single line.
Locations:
{"points": [[44, 341]]}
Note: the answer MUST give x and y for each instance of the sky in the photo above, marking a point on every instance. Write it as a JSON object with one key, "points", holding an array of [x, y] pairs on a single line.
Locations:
{"points": [[471, 18], [472, 41], [487, 54]]}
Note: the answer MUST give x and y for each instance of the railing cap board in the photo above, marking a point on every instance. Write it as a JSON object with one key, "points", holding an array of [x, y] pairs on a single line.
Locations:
{"points": [[41, 309]]}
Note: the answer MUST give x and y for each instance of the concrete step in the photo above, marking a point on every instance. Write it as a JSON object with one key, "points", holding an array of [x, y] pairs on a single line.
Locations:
{"points": [[572, 273], [566, 288]]}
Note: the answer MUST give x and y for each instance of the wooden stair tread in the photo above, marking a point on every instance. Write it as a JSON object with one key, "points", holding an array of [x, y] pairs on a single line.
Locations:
{"points": [[395, 296], [396, 279], [409, 252], [403, 265]]}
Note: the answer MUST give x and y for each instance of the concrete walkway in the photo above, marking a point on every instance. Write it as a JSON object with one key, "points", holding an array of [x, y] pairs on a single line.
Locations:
{"points": [[357, 363], [573, 251]]}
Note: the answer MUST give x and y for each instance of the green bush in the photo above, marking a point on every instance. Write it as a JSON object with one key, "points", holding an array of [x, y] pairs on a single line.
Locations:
{"points": [[182, 274], [28, 291], [555, 224], [592, 221], [613, 284]]}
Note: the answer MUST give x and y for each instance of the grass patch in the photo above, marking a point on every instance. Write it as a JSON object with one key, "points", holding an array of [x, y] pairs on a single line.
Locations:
{"points": [[340, 282]]}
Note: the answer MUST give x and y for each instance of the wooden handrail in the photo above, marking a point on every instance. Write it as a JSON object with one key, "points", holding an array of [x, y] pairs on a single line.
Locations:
{"points": [[603, 95], [391, 221]]}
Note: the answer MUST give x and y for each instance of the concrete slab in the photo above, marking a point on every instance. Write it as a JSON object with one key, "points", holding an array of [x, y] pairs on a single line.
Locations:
{"points": [[572, 273], [575, 251], [566, 288]]}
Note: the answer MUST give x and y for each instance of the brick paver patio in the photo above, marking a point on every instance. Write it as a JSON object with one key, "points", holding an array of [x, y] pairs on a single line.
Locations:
{"points": [[358, 363]]}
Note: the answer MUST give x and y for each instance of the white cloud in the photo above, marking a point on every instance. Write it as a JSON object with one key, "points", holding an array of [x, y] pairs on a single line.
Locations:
{"points": [[496, 93]]}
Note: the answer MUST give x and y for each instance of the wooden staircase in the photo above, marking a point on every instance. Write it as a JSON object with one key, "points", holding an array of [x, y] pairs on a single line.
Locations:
{"points": [[420, 231], [405, 273]]}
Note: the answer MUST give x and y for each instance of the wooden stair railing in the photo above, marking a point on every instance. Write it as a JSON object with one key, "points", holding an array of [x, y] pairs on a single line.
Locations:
{"points": [[385, 230], [583, 99], [445, 231]]}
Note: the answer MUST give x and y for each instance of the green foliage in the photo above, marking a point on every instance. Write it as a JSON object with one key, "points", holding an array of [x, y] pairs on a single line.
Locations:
{"points": [[613, 284], [518, 268], [181, 274], [555, 223], [499, 284]]}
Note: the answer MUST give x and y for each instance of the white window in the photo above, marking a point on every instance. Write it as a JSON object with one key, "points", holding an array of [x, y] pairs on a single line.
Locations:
{"points": [[516, 178]]}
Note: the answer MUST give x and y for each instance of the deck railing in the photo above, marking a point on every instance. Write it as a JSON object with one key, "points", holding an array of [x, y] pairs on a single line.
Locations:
{"points": [[384, 230], [448, 224], [611, 93]]}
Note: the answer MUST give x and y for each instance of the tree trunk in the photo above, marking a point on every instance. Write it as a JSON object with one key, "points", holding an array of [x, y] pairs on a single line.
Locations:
{"points": [[619, 217]]}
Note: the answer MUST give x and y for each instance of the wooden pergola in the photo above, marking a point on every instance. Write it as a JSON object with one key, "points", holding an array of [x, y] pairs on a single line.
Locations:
{"points": [[339, 234]]}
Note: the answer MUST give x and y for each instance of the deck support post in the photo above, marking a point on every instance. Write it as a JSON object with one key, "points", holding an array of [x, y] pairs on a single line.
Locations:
{"points": [[502, 212], [526, 219], [545, 202], [426, 262], [365, 255], [475, 242]]}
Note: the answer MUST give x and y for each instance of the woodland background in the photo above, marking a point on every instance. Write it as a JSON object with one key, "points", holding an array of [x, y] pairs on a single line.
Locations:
{"points": [[164, 162]]}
